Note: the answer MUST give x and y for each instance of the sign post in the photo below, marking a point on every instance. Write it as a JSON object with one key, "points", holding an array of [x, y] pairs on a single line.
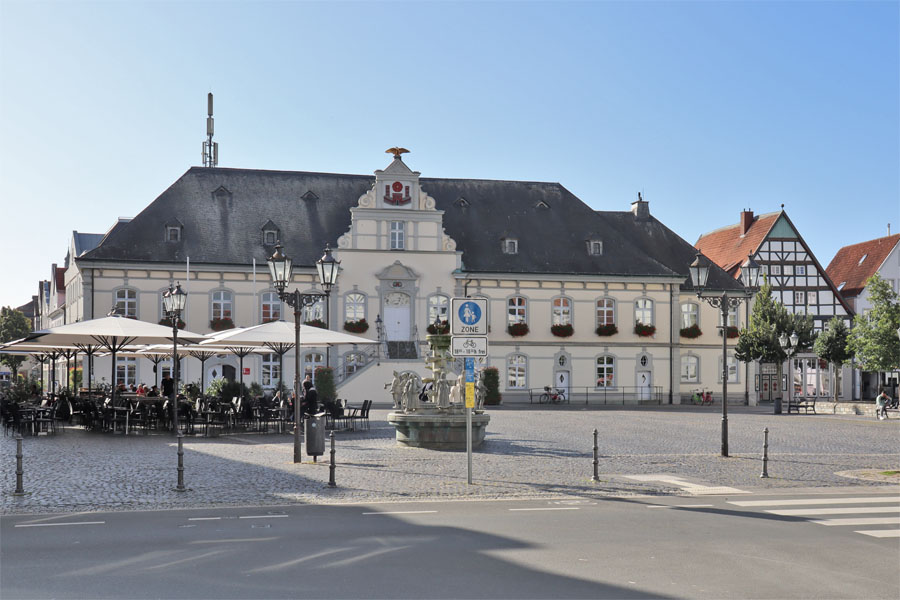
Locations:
{"points": [[470, 402], [468, 329]]}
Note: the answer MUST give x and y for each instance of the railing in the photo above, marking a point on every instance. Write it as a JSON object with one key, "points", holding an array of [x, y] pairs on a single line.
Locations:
{"points": [[621, 395], [363, 359]]}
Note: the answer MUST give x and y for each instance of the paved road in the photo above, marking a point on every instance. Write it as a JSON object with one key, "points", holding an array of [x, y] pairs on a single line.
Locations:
{"points": [[531, 452], [733, 546]]}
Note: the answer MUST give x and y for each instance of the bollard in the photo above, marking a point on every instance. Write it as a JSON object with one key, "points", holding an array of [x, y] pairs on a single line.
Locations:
{"points": [[331, 468], [765, 471], [20, 491], [596, 476], [180, 487]]}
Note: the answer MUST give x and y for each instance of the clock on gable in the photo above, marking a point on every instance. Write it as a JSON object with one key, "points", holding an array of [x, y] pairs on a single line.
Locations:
{"points": [[396, 193]]}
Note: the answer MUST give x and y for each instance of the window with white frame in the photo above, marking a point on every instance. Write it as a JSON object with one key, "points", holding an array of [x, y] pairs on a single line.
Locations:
{"points": [[775, 269], [270, 237], [438, 308], [690, 315], [126, 370], [799, 298], [732, 317], [222, 305], [643, 311], [509, 246], [800, 270], [311, 361], [354, 306], [126, 303], [516, 310], [690, 369], [516, 370], [314, 312], [811, 298], [270, 373], [732, 370], [270, 307], [173, 233], [606, 311], [398, 235], [595, 247], [353, 361], [606, 371], [562, 311]]}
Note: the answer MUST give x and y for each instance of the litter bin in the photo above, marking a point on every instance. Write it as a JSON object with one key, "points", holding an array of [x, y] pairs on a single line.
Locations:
{"points": [[315, 435]]}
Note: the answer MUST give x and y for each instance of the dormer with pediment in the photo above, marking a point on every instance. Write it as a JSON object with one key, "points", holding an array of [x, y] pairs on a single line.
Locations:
{"points": [[396, 215]]}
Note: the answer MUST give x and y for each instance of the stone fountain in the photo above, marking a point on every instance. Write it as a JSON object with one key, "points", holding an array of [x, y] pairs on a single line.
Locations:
{"points": [[438, 420]]}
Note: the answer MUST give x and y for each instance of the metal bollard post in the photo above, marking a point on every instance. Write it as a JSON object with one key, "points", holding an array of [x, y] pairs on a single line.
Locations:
{"points": [[596, 476], [765, 471], [20, 491], [180, 487], [331, 467]]}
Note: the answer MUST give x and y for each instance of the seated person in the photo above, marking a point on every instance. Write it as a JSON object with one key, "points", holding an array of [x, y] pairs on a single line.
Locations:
{"points": [[153, 393]]}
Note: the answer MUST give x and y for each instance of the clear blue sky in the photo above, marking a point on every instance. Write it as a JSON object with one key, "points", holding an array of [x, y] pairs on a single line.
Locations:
{"points": [[706, 107]]}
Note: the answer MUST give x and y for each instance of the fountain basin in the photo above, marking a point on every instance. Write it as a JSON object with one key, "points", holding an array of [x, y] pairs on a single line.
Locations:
{"points": [[436, 429]]}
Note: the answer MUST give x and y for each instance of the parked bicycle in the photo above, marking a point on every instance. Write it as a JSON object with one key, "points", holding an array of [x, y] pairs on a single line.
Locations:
{"points": [[554, 395], [702, 397]]}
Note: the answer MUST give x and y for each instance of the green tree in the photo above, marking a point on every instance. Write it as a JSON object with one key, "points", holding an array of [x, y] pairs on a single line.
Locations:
{"points": [[325, 383], [13, 325], [492, 386], [831, 345], [768, 320], [873, 339]]}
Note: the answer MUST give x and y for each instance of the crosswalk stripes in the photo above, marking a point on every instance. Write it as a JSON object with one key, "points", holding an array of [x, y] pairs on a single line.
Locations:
{"points": [[852, 514]]}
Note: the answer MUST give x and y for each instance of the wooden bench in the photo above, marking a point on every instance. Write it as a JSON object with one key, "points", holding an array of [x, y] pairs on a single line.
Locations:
{"points": [[807, 403]]}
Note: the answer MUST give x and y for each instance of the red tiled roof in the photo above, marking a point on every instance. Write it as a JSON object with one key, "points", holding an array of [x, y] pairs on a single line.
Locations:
{"points": [[729, 249], [60, 279], [845, 266]]}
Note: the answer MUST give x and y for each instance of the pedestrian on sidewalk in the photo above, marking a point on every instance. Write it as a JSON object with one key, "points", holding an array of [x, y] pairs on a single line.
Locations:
{"points": [[881, 402]]}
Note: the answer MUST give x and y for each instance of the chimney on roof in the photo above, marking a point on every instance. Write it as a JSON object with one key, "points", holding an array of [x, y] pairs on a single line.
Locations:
{"points": [[746, 221], [889, 230], [640, 208]]}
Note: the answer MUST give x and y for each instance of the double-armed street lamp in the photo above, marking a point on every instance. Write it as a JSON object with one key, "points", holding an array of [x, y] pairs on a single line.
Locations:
{"points": [[789, 345], [174, 301], [699, 271], [281, 269]]}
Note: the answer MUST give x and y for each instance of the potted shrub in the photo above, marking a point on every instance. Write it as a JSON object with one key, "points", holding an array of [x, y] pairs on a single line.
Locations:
{"points": [[691, 332], [644, 330], [442, 329], [316, 323], [168, 322], [517, 329], [607, 330], [562, 330], [221, 324], [491, 378], [360, 326], [324, 378]]}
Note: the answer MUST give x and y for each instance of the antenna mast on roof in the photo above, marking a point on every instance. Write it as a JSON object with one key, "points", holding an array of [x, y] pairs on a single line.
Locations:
{"points": [[210, 148]]}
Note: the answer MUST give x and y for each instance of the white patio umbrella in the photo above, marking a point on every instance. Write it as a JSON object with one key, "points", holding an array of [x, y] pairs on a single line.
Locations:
{"points": [[112, 333]]}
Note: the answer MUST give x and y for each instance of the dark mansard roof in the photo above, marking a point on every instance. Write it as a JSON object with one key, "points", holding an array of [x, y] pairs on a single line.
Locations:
{"points": [[222, 213]]}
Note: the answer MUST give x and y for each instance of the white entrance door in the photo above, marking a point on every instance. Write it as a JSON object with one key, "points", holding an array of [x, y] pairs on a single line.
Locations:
{"points": [[644, 392], [396, 317], [561, 381]]}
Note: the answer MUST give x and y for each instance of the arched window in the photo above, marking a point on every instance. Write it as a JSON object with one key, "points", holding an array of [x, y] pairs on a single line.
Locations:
{"points": [[732, 370], [270, 307], [606, 371], [270, 374], [311, 360], [732, 317], [222, 305], [606, 311], [562, 311], [354, 306], [314, 312], [516, 310], [516, 372], [690, 369], [643, 311], [353, 361], [690, 315], [126, 303], [438, 308]]}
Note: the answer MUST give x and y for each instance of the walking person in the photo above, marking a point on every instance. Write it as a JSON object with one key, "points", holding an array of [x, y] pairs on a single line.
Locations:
{"points": [[881, 402]]}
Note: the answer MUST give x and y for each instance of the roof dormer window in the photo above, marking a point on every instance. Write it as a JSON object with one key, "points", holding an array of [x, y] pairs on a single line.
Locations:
{"points": [[510, 246], [173, 231], [595, 247], [270, 233]]}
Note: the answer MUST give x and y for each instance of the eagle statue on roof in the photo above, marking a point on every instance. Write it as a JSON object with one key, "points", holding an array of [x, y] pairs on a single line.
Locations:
{"points": [[396, 151]]}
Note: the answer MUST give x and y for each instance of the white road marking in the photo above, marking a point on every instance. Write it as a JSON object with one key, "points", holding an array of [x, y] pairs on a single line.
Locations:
{"points": [[680, 506], [402, 512], [864, 521], [63, 524], [554, 508], [687, 486], [795, 502], [204, 518], [882, 533], [852, 510], [263, 517]]}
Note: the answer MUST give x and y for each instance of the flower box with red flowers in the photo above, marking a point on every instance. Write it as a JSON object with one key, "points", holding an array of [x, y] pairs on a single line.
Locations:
{"points": [[517, 329], [316, 323], [562, 330], [221, 324], [607, 330], [360, 326], [443, 328], [168, 323], [691, 332], [731, 331], [644, 330]]}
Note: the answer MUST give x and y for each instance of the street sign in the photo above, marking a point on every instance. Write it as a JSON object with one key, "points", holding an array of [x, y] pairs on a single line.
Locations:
{"points": [[468, 346], [468, 316], [470, 382]]}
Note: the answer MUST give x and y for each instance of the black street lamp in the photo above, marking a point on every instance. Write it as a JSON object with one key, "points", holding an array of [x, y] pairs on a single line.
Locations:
{"points": [[699, 271], [174, 300], [789, 345], [281, 269]]}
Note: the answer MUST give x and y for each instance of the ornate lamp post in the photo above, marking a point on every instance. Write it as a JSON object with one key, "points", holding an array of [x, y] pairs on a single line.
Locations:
{"points": [[699, 271], [281, 269], [789, 345], [174, 301]]}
